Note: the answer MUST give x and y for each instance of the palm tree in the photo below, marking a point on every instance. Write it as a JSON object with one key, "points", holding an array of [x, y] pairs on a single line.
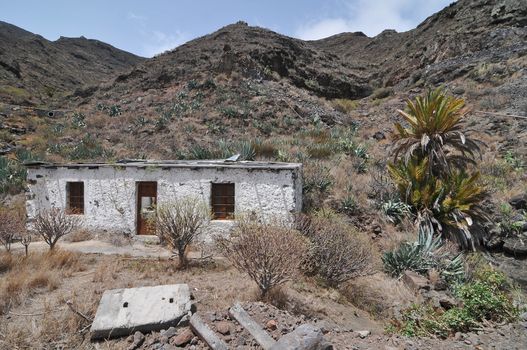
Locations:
{"points": [[435, 132], [448, 205]]}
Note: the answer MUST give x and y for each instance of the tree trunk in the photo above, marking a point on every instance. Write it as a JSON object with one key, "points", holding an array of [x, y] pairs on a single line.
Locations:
{"points": [[182, 258]]}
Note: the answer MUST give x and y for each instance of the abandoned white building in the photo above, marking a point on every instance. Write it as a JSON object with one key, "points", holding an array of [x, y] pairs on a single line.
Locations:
{"points": [[122, 196]]}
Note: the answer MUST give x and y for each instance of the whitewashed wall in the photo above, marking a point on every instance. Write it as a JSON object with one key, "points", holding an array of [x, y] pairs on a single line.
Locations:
{"points": [[110, 191]]}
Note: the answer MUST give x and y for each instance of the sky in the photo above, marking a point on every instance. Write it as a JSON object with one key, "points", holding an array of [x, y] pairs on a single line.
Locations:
{"points": [[150, 27]]}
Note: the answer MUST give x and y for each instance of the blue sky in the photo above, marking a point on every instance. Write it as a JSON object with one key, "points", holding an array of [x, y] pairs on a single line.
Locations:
{"points": [[152, 26]]}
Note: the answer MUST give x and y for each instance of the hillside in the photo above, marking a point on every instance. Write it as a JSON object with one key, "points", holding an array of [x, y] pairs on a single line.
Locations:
{"points": [[264, 83], [36, 71]]}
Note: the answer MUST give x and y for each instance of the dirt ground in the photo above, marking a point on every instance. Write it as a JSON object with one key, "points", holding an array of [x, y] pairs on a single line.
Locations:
{"points": [[41, 318]]}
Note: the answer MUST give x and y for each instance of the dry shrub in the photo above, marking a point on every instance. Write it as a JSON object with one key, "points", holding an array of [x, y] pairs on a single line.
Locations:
{"points": [[79, 235], [344, 105], [53, 224], [179, 224], [264, 149], [337, 253], [6, 262], [61, 259], [379, 294], [269, 253], [12, 225], [43, 279]]}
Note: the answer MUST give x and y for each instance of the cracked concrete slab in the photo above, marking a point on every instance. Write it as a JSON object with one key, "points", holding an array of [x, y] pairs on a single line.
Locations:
{"points": [[125, 311]]}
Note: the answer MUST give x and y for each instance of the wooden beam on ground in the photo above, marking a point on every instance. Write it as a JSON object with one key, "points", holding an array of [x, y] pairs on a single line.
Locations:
{"points": [[243, 318], [206, 334]]}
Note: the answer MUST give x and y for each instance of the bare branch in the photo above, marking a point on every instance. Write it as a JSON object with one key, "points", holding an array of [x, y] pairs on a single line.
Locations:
{"points": [[53, 224]]}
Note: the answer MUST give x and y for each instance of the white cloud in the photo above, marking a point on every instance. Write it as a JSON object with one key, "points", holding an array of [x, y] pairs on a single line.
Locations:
{"points": [[158, 42], [323, 29], [372, 17], [155, 42], [135, 17]]}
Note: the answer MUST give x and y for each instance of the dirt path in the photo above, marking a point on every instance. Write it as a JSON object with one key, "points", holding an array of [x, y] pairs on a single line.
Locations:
{"points": [[135, 248]]}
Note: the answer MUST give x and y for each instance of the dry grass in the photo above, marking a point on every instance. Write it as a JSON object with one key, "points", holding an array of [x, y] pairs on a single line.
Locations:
{"points": [[378, 294], [39, 317], [25, 276]]}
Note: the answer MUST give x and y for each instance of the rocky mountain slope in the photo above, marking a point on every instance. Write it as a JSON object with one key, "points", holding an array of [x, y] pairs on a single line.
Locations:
{"points": [[252, 81], [34, 70]]}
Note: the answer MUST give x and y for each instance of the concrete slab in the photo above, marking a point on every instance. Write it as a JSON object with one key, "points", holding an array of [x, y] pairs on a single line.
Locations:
{"points": [[125, 311]]}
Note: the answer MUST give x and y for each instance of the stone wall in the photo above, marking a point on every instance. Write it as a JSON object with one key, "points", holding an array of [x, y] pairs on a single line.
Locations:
{"points": [[110, 191]]}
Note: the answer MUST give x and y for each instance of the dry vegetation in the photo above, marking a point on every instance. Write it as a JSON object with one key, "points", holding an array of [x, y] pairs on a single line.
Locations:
{"points": [[35, 290], [269, 253], [24, 276], [53, 224]]}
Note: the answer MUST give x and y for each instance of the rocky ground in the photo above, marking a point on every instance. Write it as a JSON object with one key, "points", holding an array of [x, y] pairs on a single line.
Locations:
{"points": [[278, 323]]}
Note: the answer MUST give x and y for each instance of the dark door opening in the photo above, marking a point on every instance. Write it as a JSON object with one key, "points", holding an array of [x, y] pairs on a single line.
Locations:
{"points": [[146, 207]]}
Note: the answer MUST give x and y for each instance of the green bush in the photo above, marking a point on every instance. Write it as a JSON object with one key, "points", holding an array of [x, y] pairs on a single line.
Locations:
{"points": [[486, 297], [317, 184], [508, 224], [78, 121], [13, 173], [514, 160], [12, 176], [320, 150]]}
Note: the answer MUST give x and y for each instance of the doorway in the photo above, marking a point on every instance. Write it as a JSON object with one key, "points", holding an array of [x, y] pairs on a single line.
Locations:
{"points": [[146, 207]]}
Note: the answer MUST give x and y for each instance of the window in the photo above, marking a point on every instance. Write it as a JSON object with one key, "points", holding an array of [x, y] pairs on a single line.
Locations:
{"points": [[222, 198], [75, 197]]}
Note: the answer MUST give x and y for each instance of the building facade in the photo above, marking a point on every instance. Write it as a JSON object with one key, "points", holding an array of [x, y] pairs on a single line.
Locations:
{"points": [[123, 196]]}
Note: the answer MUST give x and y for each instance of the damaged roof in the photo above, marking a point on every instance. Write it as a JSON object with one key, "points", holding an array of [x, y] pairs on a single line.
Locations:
{"points": [[143, 163]]}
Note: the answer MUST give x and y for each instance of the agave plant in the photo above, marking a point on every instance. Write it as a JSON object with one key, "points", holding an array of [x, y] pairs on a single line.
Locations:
{"points": [[446, 205], [435, 132], [423, 255], [395, 211]]}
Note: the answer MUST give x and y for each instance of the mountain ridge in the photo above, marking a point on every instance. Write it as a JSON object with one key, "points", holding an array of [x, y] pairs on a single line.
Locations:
{"points": [[36, 71]]}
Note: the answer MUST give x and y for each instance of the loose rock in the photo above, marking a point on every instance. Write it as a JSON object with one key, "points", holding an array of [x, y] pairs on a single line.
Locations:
{"points": [[184, 337]]}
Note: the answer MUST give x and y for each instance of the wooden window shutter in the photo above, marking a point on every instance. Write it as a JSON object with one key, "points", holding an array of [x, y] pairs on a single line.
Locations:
{"points": [[222, 200], [75, 197]]}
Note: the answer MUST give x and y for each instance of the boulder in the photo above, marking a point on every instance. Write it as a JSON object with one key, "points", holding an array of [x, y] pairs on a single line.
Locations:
{"points": [[271, 325], [124, 311], [495, 239], [363, 334], [138, 340], [169, 333], [516, 246], [304, 337], [519, 201], [183, 338], [415, 281], [223, 327]]}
